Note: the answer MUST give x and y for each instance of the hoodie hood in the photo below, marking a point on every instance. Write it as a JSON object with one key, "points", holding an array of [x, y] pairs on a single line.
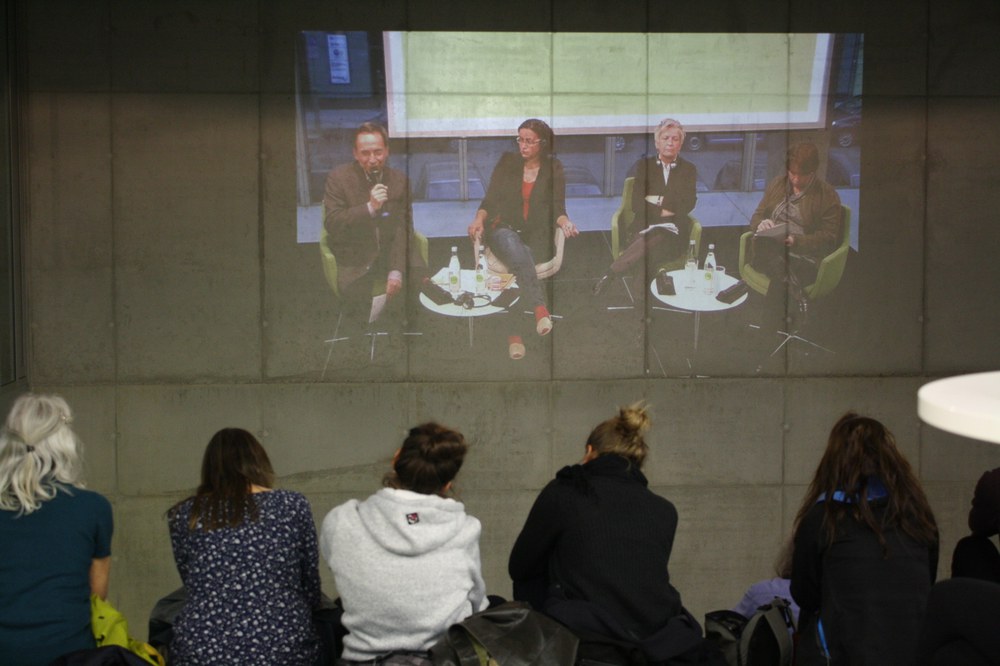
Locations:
{"points": [[408, 523]]}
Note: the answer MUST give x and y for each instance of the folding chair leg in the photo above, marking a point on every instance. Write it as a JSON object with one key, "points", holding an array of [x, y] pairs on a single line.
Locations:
{"points": [[789, 337], [332, 341]]}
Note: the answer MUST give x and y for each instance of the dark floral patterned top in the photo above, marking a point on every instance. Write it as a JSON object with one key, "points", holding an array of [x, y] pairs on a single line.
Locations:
{"points": [[251, 588]]}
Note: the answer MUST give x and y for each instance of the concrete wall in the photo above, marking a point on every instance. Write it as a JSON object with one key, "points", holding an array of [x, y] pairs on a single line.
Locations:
{"points": [[167, 297]]}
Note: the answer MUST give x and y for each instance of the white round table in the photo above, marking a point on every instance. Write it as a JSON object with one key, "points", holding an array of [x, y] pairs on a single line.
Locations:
{"points": [[467, 282], [695, 299], [967, 405]]}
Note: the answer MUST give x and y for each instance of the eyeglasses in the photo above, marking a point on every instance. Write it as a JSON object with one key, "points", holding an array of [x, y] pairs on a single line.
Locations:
{"points": [[527, 142]]}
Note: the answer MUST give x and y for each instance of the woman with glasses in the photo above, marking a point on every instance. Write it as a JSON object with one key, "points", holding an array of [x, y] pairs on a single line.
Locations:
{"points": [[526, 196]]}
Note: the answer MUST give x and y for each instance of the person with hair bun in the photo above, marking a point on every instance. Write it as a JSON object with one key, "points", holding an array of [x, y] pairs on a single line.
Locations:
{"points": [[865, 551], [406, 559], [595, 549], [55, 536]]}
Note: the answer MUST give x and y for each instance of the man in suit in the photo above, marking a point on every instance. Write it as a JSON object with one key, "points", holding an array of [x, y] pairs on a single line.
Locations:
{"points": [[369, 221], [662, 197]]}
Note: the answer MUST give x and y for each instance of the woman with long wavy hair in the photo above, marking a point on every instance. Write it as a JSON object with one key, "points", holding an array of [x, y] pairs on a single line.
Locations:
{"points": [[247, 556], [865, 551], [55, 536]]}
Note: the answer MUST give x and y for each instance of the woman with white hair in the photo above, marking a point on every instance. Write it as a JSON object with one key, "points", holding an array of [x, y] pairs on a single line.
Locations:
{"points": [[55, 537]]}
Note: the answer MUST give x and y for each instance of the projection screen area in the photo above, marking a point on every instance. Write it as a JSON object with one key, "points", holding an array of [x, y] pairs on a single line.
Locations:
{"points": [[410, 144]]}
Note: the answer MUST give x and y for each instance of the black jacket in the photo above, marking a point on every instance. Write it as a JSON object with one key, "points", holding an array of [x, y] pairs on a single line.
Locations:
{"points": [[871, 604], [597, 533], [503, 202]]}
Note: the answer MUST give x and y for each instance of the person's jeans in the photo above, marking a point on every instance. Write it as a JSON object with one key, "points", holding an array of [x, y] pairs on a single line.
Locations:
{"points": [[512, 251]]}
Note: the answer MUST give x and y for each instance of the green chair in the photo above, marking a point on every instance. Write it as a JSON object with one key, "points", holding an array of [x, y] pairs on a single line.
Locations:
{"points": [[622, 220], [830, 270], [831, 267], [329, 262]]}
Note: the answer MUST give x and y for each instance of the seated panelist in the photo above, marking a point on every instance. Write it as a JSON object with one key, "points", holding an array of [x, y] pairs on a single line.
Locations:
{"points": [[525, 201], [369, 220], [662, 199], [811, 213]]}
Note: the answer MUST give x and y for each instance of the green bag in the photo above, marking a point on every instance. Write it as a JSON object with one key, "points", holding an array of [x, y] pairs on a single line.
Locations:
{"points": [[110, 627]]}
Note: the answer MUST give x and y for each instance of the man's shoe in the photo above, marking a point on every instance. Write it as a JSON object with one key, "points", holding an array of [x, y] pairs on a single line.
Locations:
{"points": [[601, 284]]}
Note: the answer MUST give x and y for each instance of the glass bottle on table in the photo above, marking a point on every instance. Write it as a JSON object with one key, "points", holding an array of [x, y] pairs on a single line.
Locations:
{"points": [[481, 273], [708, 284], [454, 272], [691, 266]]}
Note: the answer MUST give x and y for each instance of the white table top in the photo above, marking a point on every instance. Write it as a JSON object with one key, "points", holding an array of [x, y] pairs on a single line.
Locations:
{"points": [[696, 300], [967, 405], [467, 283]]}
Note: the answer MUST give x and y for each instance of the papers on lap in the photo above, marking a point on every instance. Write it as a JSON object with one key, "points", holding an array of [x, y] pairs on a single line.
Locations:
{"points": [[780, 231], [666, 226]]}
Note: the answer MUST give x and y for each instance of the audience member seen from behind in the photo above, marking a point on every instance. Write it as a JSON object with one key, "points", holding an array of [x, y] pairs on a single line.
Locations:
{"points": [[526, 197], [55, 536], [247, 556], [595, 549], [865, 551], [976, 555], [369, 222], [663, 197], [960, 626], [406, 560], [797, 223]]}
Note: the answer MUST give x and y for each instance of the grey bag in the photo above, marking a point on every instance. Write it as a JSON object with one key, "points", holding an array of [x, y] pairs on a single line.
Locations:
{"points": [[510, 634]]}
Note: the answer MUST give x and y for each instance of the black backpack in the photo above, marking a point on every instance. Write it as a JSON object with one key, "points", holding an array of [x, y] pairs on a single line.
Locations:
{"points": [[763, 640]]}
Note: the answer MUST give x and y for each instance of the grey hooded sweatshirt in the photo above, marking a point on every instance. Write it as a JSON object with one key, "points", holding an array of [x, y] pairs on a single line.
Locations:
{"points": [[406, 566]]}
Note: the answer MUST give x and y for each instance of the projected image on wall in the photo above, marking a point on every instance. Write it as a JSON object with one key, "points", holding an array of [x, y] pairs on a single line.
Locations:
{"points": [[670, 203]]}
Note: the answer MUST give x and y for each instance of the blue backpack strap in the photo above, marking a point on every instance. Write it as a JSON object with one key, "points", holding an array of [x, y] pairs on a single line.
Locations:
{"points": [[875, 491], [822, 638]]}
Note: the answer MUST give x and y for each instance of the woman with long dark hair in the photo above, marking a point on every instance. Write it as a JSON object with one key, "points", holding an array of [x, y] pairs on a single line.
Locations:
{"points": [[524, 203], [247, 556], [865, 551], [406, 560], [55, 536]]}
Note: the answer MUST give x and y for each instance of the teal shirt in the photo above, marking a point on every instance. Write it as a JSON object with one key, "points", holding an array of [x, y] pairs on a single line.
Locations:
{"points": [[45, 559]]}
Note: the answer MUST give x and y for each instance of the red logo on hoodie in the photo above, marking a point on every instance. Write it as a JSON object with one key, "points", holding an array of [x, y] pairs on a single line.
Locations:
{"points": [[412, 518]]}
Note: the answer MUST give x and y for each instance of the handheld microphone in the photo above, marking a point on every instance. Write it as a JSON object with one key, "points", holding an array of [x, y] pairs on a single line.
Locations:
{"points": [[375, 174]]}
